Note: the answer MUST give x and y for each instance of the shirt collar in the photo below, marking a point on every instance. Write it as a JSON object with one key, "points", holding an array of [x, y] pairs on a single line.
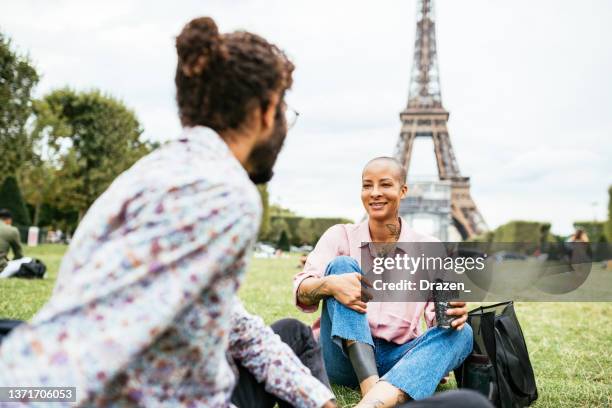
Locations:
{"points": [[365, 238], [205, 137], [364, 232]]}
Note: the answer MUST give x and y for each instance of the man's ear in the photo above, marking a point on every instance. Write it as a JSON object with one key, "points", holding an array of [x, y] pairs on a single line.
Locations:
{"points": [[404, 191], [270, 112]]}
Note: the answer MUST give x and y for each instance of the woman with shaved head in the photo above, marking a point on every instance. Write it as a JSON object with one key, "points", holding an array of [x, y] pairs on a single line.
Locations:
{"points": [[378, 346]]}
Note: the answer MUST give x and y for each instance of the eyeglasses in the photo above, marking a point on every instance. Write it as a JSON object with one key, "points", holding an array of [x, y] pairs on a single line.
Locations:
{"points": [[291, 116]]}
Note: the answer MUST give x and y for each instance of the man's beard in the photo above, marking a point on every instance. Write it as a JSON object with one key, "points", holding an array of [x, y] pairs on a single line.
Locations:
{"points": [[263, 156]]}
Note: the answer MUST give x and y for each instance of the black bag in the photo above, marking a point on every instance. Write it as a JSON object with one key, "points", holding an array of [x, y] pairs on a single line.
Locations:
{"points": [[34, 269], [6, 325], [499, 365]]}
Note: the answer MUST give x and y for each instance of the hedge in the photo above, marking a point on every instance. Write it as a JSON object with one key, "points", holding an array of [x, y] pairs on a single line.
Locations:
{"points": [[595, 230], [303, 230]]}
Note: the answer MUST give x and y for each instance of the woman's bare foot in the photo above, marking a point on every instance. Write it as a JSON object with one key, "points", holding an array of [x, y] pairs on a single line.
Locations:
{"points": [[367, 384], [383, 395]]}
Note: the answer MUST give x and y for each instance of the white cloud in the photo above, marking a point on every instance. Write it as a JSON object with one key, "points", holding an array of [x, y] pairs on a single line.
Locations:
{"points": [[527, 84]]}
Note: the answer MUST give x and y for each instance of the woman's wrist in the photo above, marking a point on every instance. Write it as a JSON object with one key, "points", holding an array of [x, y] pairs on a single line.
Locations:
{"points": [[329, 285], [312, 290]]}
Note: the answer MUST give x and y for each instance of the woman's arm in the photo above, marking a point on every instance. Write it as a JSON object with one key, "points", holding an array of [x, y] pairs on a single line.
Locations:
{"points": [[345, 288], [312, 290], [310, 285]]}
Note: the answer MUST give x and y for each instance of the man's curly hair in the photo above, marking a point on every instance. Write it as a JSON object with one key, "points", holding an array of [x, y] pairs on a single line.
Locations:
{"points": [[221, 77]]}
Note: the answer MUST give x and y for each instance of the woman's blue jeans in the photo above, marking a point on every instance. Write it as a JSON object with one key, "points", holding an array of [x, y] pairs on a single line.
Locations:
{"points": [[415, 367]]}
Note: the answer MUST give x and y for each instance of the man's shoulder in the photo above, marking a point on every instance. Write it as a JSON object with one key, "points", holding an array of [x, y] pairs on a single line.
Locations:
{"points": [[181, 166], [8, 230], [172, 177]]}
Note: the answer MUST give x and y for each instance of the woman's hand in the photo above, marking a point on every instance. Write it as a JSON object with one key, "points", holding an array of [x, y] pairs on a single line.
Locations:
{"points": [[458, 309], [346, 289]]}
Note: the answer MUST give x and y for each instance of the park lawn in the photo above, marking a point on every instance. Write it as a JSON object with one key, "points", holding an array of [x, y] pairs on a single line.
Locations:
{"points": [[569, 343], [21, 298]]}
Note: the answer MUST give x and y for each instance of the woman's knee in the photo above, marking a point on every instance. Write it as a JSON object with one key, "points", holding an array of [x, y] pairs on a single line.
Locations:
{"points": [[466, 336], [342, 264], [464, 342]]}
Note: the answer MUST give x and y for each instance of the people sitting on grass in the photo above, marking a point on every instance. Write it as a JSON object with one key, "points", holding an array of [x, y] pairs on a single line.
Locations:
{"points": [[144, 311], [379, 346], [9, 240]]}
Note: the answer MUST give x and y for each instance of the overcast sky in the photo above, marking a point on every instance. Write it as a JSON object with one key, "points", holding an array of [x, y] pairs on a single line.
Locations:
{"points": [[528, 84]]}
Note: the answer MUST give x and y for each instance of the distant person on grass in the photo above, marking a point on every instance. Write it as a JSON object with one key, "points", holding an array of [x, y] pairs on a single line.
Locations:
{"points": [[379, 346], [579, 235], [9, 240], [145, 310]]}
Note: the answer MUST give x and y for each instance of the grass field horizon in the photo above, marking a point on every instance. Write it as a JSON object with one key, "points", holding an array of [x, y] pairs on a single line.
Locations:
{"points": [[569, 343]]}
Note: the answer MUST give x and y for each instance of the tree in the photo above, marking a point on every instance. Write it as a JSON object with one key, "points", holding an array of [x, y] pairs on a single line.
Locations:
{"points": [[277, 226], [609, 223], [283, 242], [39, 185], [278, 211], [17, 80], [92, 138], [11, 199], [522, 231], [305, 232], [264, 228]]}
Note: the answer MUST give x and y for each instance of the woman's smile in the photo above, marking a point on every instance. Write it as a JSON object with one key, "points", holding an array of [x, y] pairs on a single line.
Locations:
{"points": [[377, 205]]}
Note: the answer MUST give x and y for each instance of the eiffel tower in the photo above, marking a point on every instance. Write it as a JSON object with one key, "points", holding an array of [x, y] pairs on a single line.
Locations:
{"points": [[424, 116]]}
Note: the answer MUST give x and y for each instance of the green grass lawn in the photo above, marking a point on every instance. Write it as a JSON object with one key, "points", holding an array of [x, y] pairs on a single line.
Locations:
{"points": [[569, 343]]}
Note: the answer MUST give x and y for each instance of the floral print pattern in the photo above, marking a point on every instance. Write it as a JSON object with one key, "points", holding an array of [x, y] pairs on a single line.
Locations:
{"points": [[144, 307]]}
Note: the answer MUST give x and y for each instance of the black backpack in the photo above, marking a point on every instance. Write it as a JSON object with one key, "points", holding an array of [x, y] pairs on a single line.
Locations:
{"points": [[34, 269], [6, 326], [499, 365]]}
